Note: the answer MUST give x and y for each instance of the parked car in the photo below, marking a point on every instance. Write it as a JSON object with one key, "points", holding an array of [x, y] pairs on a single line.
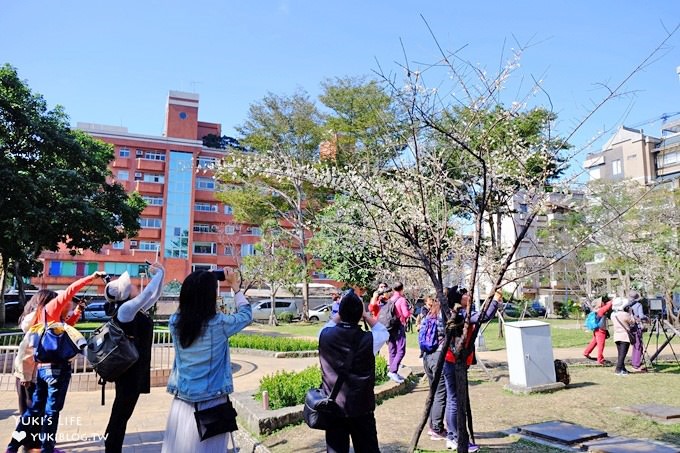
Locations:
{"points": [[13, 310], [262, 309], [538, 309], [515, 310], [320, 313], [95, 311]]}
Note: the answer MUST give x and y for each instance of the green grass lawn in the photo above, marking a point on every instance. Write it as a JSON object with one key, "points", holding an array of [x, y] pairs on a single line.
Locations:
{"points": [[566, 333]]}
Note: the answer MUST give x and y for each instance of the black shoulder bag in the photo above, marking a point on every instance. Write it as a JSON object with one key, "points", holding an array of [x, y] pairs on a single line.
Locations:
{"points": [[320, 410]]}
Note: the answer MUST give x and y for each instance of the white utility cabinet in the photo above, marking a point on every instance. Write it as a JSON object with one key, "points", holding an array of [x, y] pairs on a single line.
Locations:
{"points": [[530, 354]]}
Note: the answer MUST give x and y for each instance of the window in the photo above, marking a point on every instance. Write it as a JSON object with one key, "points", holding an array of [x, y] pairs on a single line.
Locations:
{"points": [[120, 245], [202, 267], [123, 175], [154, 177], [668, 159], [247, 249], [229, 229], [207, 162], [523, 208], [616, 167], [153, 201], [205, 207], [71, 268], [146, 222], [205, 248], [228, 209], [255, 231], [133, 269], [228, 250], [149, 246], [124, 152], [154, 155], [205, 184], [201, 228], [319, 275]]}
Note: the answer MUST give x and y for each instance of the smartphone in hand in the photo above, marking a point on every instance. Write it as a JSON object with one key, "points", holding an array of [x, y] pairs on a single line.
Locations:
{"points": [[219, 274]]}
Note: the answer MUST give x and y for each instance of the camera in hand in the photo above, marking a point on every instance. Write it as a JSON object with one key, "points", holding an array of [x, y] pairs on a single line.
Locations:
{"points": [[219, 274]]}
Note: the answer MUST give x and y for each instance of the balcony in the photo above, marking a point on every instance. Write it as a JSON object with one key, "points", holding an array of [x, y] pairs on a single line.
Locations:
{"points": [[149, 233], [149, 187], [121, 162], [155, 166], [205, 195], [209, 217], [152, 211]]}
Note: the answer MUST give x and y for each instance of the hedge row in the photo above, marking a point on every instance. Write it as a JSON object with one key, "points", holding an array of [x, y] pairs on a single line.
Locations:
{"points": [[271, 343], [289, 388]]}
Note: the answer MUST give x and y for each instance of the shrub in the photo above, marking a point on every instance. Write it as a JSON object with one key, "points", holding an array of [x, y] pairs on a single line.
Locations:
{"points": [[270, 343], [289, 388], [286, 317]]}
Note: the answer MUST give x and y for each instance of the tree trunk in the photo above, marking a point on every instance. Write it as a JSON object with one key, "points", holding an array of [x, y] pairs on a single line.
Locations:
{"points": [[272, 314], [3, 274], [461, 403], [21, 292]]}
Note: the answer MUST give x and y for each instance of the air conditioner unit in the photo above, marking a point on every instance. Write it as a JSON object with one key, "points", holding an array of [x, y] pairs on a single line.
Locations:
{"points": [[213, 228], [134, 244], [139, 153], [139, 175]]}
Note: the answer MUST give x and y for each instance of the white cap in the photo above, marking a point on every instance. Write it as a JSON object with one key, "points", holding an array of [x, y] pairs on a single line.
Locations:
{"points": [[119, 289], [619, 303]]}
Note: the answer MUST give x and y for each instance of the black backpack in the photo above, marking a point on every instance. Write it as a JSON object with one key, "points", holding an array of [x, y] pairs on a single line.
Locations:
{"points": [[110, 351], [388, 317]]}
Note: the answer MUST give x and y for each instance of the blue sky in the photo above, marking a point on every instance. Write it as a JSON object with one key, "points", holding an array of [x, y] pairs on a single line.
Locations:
{"points": [[114, 62]]}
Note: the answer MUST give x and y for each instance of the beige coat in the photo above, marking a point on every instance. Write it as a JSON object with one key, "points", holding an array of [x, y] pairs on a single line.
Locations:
{"points": [[622, 321]]}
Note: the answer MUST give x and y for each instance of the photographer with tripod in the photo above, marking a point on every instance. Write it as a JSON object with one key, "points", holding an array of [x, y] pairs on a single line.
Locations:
{"points": [[636, 330]]}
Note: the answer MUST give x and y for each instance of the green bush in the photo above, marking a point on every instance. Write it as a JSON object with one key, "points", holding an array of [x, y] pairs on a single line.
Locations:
{"points": [[271, 343], [286, 317], [380, 369], [289, 388]]}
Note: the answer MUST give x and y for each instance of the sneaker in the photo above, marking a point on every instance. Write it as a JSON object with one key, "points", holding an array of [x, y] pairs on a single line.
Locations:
{"points": [[621, 373], [434, 435], [589, 357], [395, 377], [451, 444], [642, 369], [472, 448]]}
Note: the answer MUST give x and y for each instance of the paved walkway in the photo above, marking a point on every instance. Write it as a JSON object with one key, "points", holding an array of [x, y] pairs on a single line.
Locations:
{"points": [[83, 419]]}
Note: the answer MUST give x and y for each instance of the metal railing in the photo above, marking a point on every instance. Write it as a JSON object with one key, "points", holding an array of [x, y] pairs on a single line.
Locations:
{"points": [[162, 352]]}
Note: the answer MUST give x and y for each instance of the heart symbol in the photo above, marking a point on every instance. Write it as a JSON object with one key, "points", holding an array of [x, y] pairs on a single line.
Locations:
{"points": [[19, 435]]}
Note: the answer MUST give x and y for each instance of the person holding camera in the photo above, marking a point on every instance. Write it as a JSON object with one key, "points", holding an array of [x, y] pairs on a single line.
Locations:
{"points": [[380, 298], [342, 338], [636, 330], [600, 334], [201, 376], [397, 343], [129, 314], [623, 321]]}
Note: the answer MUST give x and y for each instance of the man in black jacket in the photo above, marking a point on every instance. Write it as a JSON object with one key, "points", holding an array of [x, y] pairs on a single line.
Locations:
{"points": [[346, 350]]}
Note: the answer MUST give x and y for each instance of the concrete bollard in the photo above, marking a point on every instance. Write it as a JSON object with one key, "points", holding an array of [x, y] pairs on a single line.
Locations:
{"points": [[265, 400]]}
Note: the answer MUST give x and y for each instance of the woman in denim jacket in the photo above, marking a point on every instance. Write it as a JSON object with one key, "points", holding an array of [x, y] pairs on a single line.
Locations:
{"points": [[201, 372]]}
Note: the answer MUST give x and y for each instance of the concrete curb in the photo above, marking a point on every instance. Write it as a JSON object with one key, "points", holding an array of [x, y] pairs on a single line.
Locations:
{"points": [[259, 421]]}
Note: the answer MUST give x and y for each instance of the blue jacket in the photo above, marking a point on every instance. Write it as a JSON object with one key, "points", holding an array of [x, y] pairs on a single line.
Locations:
{"points": [[202, 371]]}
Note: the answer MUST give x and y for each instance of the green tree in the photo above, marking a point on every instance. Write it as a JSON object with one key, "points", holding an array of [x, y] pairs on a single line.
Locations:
{"points": [[53, 183], [274, 264], [284, 132], [362, 121]]}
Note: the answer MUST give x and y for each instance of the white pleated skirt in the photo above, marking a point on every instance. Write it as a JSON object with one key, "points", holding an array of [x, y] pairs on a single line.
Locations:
{"points": [[181, 434]]}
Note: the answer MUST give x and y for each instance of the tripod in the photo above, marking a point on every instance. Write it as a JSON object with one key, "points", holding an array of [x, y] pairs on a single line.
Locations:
{"points": [[660, 325]]}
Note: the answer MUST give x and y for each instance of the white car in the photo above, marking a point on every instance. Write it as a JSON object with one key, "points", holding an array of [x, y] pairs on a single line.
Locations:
{"points": [[320, 313], [262, 309]]}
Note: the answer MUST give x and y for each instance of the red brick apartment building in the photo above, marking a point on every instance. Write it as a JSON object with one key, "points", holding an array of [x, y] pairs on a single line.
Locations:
{"points": [[183, 223]]}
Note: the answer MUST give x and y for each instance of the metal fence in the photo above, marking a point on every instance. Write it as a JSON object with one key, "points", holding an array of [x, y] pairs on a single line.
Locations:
{"points": [[162, 352]]}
